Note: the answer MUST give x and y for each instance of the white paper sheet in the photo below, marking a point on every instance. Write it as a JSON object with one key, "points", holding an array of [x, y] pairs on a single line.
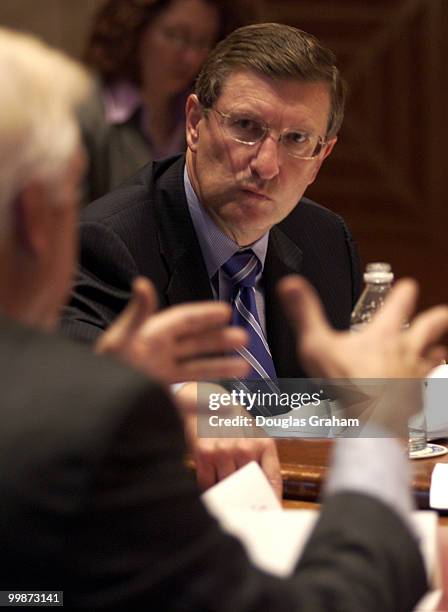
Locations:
{"points": [[246, 507], [436, 403], [438, 493]]}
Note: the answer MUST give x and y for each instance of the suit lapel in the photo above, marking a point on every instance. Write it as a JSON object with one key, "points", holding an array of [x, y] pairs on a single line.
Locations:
{"points": [[283, 257], [179, 246]]}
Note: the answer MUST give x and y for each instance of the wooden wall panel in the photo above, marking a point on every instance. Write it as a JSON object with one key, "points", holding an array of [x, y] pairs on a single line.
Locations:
{"points": [[386, 176], [63, 23]]}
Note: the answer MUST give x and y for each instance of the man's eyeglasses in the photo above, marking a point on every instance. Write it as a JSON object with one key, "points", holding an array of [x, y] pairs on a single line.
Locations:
{"points": [[248, 131]]}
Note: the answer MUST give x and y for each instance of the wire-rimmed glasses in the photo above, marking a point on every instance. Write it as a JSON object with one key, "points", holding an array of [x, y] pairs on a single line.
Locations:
{"points": [[249, 131]]}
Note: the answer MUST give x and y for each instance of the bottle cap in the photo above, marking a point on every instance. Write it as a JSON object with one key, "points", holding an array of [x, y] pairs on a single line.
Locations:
{"points": [[378, 272]]}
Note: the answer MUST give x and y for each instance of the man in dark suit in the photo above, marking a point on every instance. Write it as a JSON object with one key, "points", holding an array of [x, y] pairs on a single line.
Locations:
{"points": [[266, 113], [95, 498]]}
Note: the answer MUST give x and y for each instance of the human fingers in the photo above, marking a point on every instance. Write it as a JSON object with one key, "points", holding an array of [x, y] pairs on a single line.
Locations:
{"points": [[222, 340], [437, 354], [398, 308], [186, 399], [270, 465], [264, 452], [430, 360], [223, 457], [189, 319], [434, 358], [302, 305], [205, 469], [427, 329], [142, 305], [316, 339]]}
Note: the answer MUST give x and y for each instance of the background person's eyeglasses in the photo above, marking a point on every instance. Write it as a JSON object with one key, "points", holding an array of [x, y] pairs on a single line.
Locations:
{"points": [[248, 131], [181, 39]]}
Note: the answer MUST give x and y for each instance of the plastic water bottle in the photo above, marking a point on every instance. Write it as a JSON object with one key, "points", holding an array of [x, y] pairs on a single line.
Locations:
{"points": [[378, 279]]}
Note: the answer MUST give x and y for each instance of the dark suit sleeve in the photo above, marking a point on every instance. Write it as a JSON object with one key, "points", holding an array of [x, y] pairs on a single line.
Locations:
{"points": [[146, 542], [361, 557], [96, 502], [102, 285]]}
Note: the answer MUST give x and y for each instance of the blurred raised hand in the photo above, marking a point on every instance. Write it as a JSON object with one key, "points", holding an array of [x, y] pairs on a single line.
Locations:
{"points": [[185, 342], [382, 350]]}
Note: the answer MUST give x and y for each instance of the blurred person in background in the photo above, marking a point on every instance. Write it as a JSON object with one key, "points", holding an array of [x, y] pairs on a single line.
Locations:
{"points": [[146, 55]]}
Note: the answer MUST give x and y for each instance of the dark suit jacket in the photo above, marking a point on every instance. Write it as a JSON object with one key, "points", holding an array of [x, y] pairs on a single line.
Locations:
{"points": [[95, 501], [144, 227]]}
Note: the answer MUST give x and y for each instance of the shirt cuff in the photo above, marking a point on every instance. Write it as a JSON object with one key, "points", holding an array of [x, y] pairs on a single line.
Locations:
{"points": [[377, 467]]}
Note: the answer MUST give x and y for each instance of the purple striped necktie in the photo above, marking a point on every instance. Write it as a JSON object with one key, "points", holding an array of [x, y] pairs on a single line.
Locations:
{"points": [[242, 270]]}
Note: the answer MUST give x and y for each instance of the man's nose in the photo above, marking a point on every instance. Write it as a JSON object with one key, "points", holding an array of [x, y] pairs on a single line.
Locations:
{"points": [[265, 162]]}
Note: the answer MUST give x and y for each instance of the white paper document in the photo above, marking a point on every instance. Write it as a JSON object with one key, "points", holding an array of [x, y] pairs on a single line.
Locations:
{"points": [[436, 403], [245, 505], [438, 493]]}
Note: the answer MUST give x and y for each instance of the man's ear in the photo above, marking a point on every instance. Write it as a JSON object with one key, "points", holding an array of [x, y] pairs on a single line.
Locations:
{"points": [[193, 114], [31, 218], [328, 149]]}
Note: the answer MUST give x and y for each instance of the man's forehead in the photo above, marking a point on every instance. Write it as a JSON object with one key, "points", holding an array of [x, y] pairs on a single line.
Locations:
{"points": [[247, 88]]}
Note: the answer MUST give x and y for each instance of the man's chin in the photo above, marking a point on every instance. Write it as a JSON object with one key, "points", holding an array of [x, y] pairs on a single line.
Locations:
{"points": [[248, 231], [256, 211]]}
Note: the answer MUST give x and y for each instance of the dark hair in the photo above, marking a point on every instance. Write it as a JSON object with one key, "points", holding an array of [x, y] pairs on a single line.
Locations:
{"points": [[279, 52], [112, 48]]}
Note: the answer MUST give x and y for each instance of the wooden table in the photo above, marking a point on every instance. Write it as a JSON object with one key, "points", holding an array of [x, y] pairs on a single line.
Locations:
{"points": [[305, 466]]}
